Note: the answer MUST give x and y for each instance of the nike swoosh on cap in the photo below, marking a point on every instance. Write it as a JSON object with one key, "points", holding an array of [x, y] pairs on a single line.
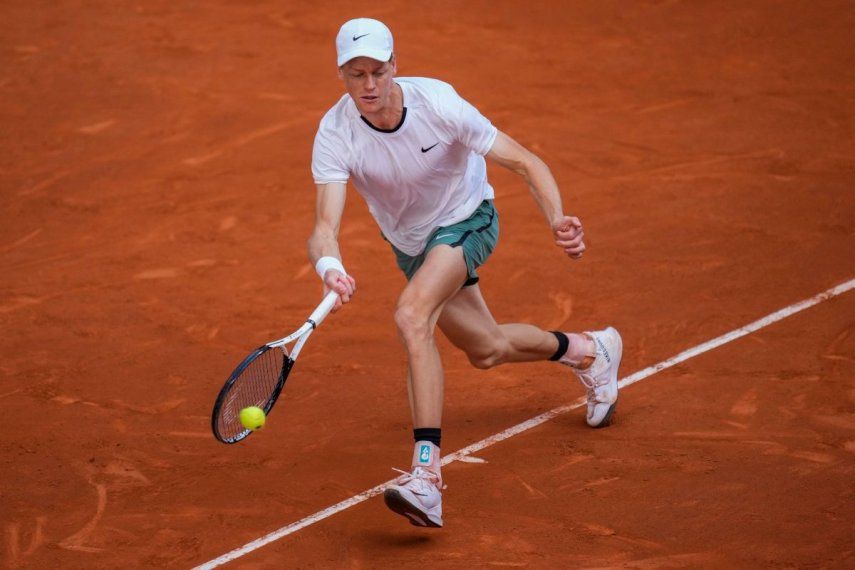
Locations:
{"points": [[362, 36]]}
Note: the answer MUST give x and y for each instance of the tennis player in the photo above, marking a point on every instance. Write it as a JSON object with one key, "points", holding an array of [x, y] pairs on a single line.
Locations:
{"points": [[415, 150]]}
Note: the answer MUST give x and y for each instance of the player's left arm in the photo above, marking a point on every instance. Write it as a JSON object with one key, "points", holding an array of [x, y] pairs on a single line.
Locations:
{"points": [[567, 230]]}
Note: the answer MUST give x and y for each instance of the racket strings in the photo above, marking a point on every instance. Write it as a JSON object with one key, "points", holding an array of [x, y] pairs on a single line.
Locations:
{"points": [[256, 385]]}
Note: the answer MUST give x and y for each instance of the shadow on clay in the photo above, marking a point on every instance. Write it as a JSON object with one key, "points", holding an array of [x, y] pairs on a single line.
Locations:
{"points": [[398, 536]]}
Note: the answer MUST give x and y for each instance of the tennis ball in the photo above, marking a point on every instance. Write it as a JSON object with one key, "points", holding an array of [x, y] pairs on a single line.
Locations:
{"points": [[252, 418]]}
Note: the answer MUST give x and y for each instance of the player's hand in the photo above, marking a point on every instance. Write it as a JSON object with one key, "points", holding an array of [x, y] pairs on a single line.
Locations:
{"points": [[569, 236], [344, 285]]}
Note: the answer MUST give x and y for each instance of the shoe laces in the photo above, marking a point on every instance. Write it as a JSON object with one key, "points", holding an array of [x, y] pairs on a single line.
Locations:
{"points": [[589, 379], [423, 478]]}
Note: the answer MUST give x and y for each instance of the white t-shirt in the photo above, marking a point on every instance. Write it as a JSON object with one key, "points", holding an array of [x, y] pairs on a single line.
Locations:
{"points": [[426, 173]]}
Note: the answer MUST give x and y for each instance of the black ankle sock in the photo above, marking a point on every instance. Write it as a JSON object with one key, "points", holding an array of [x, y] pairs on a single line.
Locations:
{"points": [[563, 343], [433, 435]]}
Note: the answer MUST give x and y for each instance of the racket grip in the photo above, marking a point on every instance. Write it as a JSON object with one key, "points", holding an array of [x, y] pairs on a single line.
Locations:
{"points": [[321, 312]]}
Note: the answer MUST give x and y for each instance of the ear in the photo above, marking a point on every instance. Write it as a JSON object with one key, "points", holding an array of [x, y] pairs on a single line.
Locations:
{"points": [[393, 61], [340, 72]]}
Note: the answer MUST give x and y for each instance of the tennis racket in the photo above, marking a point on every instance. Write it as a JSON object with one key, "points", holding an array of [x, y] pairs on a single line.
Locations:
{"points": [[259, 379]]}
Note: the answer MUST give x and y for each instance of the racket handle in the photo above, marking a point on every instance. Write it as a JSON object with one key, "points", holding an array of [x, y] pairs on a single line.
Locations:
{"points": [[320, 313]]}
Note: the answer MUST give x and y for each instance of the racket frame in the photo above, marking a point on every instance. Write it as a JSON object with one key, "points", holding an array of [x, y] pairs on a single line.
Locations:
{"points": [[301, 335]]}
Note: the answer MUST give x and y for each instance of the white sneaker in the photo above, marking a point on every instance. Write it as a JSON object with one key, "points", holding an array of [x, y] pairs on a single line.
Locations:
{"points": [[601, 377], [417, 497]]}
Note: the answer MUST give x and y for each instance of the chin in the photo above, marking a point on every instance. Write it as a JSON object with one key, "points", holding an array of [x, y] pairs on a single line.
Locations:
{"points": [[368, 107]]}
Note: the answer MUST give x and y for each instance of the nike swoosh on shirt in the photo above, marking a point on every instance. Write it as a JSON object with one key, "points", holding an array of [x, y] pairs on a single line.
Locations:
{"points": [[362, 36], [428, 148]]}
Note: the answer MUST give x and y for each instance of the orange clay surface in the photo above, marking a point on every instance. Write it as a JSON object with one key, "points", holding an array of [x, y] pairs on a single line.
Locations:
{"points": [[156, 198]]}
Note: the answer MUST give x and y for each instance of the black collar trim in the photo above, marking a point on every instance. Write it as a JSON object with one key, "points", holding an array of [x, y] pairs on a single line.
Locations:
{"points": [[379, 130]]}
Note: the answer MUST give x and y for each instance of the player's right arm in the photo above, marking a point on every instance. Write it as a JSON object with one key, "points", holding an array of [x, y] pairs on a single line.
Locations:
{"points": [[324, 239]]}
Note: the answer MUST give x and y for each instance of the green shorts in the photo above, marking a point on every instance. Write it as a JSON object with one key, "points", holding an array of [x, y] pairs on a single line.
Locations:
{"points": [[477, 235]]}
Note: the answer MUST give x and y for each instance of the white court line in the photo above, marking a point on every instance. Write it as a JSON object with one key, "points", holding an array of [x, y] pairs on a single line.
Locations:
{"points": [[536, 421]]}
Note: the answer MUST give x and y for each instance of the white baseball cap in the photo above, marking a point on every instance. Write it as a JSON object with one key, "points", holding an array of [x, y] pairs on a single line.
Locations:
{"points": [[363, 37]]}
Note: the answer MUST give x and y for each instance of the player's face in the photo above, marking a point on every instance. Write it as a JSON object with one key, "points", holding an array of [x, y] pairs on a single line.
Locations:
{"points": [[369, 83]]}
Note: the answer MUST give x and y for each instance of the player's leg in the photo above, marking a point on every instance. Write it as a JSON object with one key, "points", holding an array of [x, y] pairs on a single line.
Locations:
{"points": [[467, 322], [418, 309], [417, 495], [593, 356]]}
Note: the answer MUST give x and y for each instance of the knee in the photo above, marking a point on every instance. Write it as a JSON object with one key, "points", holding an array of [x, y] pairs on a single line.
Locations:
{"points": [[413, 324], [489, 356]]}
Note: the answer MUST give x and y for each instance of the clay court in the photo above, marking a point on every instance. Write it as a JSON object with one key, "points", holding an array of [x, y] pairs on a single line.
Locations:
{"points": [[156, 201]]}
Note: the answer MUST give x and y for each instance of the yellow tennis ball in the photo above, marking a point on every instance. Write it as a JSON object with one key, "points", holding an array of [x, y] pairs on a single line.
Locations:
{"points": [[252, 418]]}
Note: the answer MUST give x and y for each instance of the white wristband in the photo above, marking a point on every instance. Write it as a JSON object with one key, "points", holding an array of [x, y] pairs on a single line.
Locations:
{"points": [[326, 263]]}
